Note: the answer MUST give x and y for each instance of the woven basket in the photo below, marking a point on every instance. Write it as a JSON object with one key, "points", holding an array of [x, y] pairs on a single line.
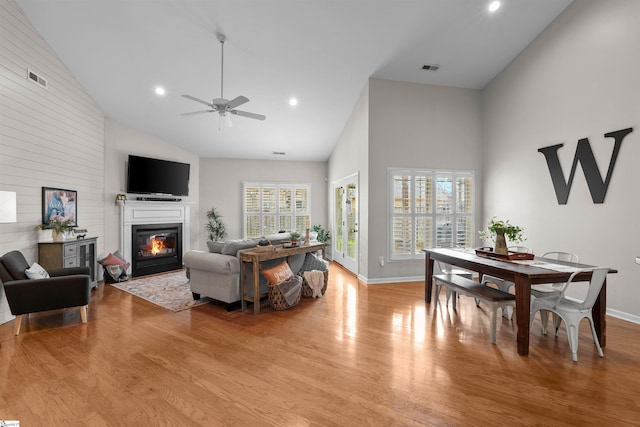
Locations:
{"points": [[277, 300], [307, 292]]}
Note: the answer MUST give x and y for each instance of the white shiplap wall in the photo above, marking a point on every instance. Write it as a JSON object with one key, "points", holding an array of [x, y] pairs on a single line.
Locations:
{"points": [[48, 137]]}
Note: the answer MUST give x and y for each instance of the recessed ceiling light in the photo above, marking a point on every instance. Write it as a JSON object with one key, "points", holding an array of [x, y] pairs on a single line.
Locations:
{"points": [[293, 102], [495, 5], [160, 90]]}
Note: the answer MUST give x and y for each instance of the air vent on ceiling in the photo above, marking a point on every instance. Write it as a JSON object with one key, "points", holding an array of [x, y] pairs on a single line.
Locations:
{"points": [[431, 67], [36, 78]]}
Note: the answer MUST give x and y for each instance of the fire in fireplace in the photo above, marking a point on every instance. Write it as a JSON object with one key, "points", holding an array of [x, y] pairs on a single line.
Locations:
{"points": [[156, 248]]}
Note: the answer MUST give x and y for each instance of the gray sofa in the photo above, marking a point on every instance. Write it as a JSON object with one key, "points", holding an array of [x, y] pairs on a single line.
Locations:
{"points": [[216, 273]]}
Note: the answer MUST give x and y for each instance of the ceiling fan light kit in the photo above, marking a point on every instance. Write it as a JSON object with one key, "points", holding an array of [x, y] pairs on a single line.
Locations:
{"points": [[223, 106]]}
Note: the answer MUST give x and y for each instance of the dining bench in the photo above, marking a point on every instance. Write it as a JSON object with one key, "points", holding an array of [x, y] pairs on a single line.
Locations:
{"points": [[494, 298]]}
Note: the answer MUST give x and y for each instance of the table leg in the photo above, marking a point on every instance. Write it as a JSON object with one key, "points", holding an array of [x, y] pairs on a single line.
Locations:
{"points": [[256, 287], [523, 313], [243, 285], [598, 312], [428, 278]]}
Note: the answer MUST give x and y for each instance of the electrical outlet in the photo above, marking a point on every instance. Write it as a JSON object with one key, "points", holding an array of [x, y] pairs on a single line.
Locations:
{"points": [[381, 259]]}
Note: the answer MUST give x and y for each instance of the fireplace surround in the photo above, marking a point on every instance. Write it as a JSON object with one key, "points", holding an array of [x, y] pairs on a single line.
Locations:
{"points": [[155, 216]]}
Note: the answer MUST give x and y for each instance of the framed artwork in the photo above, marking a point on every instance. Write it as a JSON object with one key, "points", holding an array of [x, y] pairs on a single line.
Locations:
{"points": [[59, 203]]}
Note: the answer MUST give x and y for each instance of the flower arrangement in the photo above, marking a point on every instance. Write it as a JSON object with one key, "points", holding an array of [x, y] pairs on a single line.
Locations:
{"points": [[58, 225], [513, 232]]}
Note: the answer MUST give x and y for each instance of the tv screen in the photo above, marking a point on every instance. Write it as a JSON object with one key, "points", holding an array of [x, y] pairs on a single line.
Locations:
{"points": [[155, 176]]}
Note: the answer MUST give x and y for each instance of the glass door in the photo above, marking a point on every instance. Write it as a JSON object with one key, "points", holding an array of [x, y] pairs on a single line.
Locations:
{"points": [[345, 223]]}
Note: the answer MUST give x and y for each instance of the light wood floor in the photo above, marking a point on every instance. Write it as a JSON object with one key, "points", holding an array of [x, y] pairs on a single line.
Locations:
{"points": [[362, 355]]}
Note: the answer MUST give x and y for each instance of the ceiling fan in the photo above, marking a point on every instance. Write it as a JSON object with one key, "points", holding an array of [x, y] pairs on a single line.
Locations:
{"points": [[222, 106]]}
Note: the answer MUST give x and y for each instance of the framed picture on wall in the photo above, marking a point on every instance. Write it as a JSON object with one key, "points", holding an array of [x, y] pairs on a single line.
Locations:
{"points": [[59, 203]]}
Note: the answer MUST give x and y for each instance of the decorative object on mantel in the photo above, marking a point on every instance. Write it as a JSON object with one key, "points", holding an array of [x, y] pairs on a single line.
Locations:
{"points": [[59, 228], [120, 199], [215, 228], [498, 230]]}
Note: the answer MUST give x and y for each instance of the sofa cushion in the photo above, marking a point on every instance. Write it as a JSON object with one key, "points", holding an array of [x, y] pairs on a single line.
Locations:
{"points": [[36, 271], [278, 274], [231, 247], [215, 247]]}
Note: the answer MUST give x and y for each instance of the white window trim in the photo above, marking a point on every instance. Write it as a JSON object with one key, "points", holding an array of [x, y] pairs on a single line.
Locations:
{"points": [[277, 185], [391, 172]]}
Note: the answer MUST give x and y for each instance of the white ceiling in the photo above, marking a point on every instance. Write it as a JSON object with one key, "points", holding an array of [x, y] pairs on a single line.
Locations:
{"points": [[321, 52]]}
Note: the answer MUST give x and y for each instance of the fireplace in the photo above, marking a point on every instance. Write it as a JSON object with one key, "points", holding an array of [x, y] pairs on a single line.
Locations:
{"points": [[155, 248]]}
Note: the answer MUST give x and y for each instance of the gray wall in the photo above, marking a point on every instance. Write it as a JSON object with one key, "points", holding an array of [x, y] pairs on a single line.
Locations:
{"points": [[221, 187], [48, 137], [578, 79]]}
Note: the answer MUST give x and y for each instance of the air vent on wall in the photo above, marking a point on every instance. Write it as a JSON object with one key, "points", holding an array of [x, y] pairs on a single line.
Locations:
{"points": [[36, 78], [279, 153], [431, 67]]}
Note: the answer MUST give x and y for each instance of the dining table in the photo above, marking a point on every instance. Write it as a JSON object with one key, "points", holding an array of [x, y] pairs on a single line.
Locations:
{"points": [[523, 273]]}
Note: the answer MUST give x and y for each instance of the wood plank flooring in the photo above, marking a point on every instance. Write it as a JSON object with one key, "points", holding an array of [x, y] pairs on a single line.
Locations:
{"points": [[362, 355]]}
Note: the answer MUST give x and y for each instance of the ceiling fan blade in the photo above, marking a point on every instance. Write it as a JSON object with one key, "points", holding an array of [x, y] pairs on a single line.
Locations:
{"points": [[247, 114], [193, 98], [236, 102], [197, 112]]}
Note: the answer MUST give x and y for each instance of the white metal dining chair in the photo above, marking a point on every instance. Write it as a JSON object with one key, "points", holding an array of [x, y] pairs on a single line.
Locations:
{"points": [[549, 289], [448, 269], [571, 311]]}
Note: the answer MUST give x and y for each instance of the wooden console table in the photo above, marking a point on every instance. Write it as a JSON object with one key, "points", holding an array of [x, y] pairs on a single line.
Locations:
{"points": [[254, 258]]}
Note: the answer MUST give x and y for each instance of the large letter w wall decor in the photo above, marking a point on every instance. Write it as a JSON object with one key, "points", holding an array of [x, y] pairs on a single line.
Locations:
{"points": [[597, 186]]}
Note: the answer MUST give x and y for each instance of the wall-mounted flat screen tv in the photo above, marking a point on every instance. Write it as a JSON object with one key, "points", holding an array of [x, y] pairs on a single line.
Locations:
{"points": [[155, 176]]}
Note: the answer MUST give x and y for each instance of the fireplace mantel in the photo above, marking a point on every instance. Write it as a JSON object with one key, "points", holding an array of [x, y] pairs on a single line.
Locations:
{"points": [[133, 212]]}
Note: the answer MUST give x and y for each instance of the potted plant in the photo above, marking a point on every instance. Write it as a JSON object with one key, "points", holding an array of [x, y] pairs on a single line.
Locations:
{"points": [[215, 227], [295, 236], [59, 227], [498, 231], [322, 234]]}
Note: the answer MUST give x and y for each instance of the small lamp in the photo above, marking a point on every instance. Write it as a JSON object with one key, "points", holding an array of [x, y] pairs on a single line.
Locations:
{"points": [[8, 207]]}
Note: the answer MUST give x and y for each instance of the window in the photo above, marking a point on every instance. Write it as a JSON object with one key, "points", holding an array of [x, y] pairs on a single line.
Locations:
{"points": [[429, 209], [271, 207]]}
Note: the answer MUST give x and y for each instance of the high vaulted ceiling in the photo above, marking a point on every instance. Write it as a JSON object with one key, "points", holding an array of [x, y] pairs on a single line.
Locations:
{"points": [[319, 51]]}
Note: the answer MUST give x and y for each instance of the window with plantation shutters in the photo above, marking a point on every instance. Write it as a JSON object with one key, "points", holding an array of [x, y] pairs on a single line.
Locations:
{"points": [[271, 207], [429, 209]]}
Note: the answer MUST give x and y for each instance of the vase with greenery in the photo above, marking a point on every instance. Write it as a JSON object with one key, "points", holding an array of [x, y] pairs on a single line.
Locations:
{"points": [[323, 235], [295, 236], [498, 231], [215, 228], [59, 228]]}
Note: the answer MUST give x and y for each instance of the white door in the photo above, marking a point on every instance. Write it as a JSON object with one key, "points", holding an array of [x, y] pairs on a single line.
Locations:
{"points": [[345, 223]]}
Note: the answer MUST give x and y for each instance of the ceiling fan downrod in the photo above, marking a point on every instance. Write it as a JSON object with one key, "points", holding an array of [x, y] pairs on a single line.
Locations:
{"points": [[222, 38]]}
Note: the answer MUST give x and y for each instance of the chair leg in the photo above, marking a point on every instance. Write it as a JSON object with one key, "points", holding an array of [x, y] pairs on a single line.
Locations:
{"points": [[572, 333], [83, 313], [436, 296], [595, 337], [454, 303], [556, 322], [16, 325], [477, 302], [544, 318]]}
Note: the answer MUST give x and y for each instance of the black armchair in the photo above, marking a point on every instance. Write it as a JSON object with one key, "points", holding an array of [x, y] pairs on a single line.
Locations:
{"points": [[67, 287]]}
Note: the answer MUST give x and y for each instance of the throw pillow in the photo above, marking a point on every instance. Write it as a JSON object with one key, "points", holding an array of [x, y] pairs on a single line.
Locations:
{"points": [[215, 247], [36, 272], [278, 274], [111, 259], [232, 247], [313, 262]]}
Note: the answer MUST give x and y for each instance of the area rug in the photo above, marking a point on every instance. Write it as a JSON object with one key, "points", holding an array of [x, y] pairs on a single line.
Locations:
{"points": [[170, 290]]}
